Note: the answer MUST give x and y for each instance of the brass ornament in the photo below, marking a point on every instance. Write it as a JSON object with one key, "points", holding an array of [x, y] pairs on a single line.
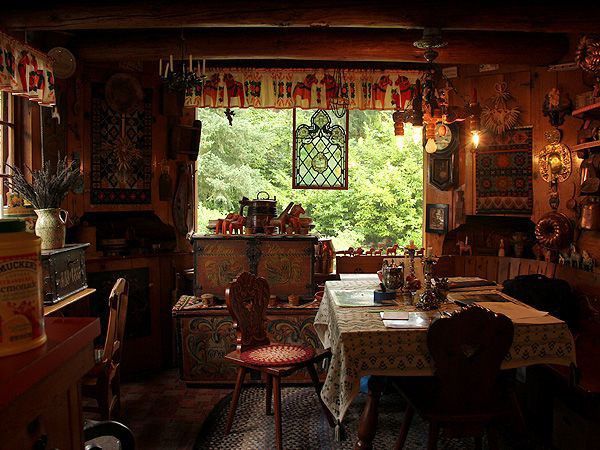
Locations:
{"points": [[555, 163]]}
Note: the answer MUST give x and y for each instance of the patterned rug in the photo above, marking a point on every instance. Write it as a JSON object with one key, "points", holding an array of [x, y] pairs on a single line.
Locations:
{"points": [[305, 427], [504, 173]]}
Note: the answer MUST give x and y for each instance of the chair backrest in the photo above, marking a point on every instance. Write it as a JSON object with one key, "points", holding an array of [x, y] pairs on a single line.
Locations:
{"points": [[117, 305], [467, 349], [247, 298]]}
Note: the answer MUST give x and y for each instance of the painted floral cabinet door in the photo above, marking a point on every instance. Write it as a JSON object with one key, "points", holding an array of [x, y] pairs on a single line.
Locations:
{"points": [[286, 262]]}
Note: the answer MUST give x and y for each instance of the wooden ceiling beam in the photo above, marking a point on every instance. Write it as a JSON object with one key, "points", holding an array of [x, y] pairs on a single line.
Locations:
{"points": [[342, 44], [507, 15]]}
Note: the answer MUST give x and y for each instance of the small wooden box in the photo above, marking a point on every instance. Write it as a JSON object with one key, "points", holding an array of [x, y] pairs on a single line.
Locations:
{"points": [[63, 272]]}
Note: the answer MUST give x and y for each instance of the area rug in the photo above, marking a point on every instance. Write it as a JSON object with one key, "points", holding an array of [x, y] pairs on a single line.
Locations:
{"points": [[503, 173], [305, 427]]}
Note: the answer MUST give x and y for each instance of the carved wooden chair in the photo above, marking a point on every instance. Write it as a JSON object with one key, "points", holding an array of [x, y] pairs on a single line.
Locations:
{"points": [[466, 396], [247, 298], [102, 383]]}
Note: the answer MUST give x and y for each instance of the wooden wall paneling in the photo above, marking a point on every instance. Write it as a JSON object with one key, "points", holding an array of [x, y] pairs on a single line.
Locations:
{"points": [[515, 267], [459, 266], [481, 265], [492, 268], [470, 264], [503, 269]]}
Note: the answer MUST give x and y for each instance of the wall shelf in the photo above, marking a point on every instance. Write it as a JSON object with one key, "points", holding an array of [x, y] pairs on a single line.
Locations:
{"points": [[586, 146], [589, 112]]}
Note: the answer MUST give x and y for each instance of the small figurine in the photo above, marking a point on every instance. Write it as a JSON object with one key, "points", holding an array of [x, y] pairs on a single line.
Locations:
{"points": [[370, 252], [359, 251], [575, 257], [378, 252], [501, 250], [464, 247], [538, 252], [294, 223], [392, 250], [588, 261]]}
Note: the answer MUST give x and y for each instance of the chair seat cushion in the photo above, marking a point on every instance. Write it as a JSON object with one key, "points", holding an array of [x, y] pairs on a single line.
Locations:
{"points": [[278, 355]]}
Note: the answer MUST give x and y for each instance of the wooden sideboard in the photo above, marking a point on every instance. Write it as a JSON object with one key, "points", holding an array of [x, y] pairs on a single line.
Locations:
{"points": [[39, 390], [206, 335]]}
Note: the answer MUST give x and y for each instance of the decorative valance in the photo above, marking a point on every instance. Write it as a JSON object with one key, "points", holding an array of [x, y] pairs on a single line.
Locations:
{"points": [[303, 88], [26, 72]]}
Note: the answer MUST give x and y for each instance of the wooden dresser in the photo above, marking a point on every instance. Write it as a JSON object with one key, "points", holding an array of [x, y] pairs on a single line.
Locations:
{"points": [[39, 389]]}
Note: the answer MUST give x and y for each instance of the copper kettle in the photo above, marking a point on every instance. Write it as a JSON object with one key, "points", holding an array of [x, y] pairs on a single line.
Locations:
{"points": [[590, 214]]}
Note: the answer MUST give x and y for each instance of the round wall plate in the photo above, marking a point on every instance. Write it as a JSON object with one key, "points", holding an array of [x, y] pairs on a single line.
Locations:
{"points": [[64, 62]]}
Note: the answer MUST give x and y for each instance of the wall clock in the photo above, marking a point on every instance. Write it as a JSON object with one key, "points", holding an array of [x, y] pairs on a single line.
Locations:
{"points": [[442, 163]]}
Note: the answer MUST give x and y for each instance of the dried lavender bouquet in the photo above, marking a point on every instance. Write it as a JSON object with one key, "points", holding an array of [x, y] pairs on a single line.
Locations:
{"points": [[48, 187]]}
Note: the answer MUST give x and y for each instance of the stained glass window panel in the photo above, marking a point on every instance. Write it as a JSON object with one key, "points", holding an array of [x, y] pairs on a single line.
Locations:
{"points": [[320, 150]]}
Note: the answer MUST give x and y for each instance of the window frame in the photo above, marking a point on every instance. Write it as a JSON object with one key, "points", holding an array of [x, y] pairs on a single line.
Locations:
{"points": [[7, 140]]}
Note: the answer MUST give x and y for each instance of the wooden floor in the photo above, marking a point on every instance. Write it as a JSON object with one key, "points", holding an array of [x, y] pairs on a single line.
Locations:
{"points": [[164, 414]]}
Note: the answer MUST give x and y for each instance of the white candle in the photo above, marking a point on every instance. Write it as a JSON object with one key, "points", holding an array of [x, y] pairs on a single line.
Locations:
{"points": [[466, 240], [160, 67], [190, 62], [203, 66], [171, 61], [166, 70], [429, 252]]}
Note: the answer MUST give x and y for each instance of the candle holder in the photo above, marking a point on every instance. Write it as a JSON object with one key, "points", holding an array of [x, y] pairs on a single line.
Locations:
{"points": [[183, 81], [413, 284], [430, 298]]}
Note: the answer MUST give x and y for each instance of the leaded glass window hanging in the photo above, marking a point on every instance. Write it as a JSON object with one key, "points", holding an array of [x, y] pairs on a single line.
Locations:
{"points": [[320, 151]]}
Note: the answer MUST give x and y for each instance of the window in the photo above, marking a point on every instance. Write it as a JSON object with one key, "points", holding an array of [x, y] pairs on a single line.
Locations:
{"points": [[384, 200], [6, 138]]}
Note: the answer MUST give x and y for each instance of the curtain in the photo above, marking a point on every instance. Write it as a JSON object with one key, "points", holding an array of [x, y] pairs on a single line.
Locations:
{"points": [[303, 88], [26, 72]]}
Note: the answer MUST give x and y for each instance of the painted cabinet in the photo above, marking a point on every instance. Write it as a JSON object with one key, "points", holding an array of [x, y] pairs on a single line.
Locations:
{"points": [[286, 262], [206, 335]]}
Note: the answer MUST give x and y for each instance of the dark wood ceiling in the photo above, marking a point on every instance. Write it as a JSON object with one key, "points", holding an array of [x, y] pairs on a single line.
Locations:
{"points": [[489, 32]]}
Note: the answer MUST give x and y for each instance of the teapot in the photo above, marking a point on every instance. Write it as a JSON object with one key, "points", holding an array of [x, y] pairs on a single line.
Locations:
{"points": [[260, 211]]}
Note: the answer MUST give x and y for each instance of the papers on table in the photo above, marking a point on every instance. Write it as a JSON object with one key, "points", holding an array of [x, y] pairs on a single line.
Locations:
{"points": [[455, 283], [394, 315], [520, 313], [413, 320], [353, 298]]}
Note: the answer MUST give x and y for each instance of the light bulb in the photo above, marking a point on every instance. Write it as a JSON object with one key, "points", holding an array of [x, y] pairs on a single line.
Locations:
{"points": [[431, 146], [475, 138], [417, 132], [400, 141]]}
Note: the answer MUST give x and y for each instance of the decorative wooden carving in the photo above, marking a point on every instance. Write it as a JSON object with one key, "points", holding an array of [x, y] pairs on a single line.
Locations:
{"points": [[247, 298]]}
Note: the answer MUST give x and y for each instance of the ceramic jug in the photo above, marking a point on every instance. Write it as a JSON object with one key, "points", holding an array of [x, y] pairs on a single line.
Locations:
{"points": [[51, 227]]}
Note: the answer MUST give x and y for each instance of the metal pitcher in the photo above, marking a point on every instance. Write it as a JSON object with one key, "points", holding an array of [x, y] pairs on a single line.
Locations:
{"points": [[392, 276]]}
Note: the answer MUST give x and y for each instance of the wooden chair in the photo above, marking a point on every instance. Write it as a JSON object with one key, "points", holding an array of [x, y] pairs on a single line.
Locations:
{"points": [[102, 383], [466, 395], [247, 298]]}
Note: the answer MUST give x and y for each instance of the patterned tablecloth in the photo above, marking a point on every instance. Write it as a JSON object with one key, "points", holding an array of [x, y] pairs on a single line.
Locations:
{"points": [[361, 345]]}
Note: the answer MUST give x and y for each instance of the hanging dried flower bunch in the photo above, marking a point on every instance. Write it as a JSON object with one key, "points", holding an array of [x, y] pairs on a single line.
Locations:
{"points": [[496, 116], [48, 187]]}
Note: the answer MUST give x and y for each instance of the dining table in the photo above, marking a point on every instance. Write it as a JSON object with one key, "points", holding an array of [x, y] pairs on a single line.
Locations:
{"points": [[349, 322]]}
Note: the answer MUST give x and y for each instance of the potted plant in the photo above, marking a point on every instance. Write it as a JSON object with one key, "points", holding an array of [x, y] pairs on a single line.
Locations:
{"points": [[46, 192]]}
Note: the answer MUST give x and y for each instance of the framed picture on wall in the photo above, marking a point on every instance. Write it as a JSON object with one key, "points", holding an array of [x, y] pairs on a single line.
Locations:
{"points": [[436, 218]]}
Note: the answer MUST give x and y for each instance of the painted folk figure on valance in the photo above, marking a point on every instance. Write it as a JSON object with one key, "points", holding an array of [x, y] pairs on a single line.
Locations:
{"points": [[320, 148], [26, 72], [303, 88]]}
